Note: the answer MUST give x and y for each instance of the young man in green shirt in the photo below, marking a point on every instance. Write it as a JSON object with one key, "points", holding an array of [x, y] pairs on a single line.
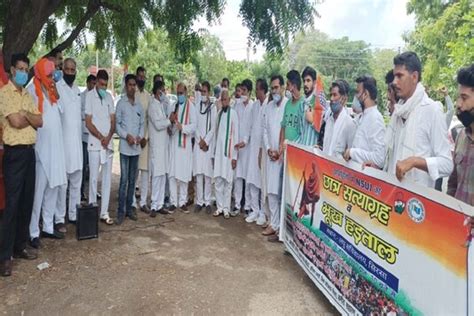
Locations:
{"points": [[291, 123]]}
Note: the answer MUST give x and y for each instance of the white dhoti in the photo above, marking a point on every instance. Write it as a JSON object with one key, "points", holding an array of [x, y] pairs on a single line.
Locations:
{"points": [[178, 192], [203, 190], [144, 182], [74, 182], [105, 166], [44, 203], [223, 194], [158, 186], [274, 205]]}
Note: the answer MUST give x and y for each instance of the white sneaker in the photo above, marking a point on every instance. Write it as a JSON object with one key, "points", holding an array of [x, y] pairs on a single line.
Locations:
{"points": [[227, 214], [234, 213], [261, 220], [252, 217]]}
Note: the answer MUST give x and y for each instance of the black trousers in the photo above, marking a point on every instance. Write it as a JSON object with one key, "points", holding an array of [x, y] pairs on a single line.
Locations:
{"points": [[19, 174], [85, 169]]}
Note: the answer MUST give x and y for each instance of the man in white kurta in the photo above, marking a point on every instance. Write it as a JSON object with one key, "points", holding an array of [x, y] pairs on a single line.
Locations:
{"points": [[181, 154], [416, 139], [50, 166], [202, 169], [144, 98], [369, 139], [70, 100], [225, 154], [340, 127], [158, 123], [254, 182], [244, 109], [271, 142], [91, 81], [100, 121]]}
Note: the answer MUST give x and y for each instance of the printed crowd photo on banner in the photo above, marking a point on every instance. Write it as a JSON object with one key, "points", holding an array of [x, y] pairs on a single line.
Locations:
{"points": [[374, 245]]}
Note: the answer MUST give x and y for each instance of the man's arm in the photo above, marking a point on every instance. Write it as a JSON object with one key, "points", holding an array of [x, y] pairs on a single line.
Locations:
{"points": [[18, 121], [35, 120], [92, 129]]}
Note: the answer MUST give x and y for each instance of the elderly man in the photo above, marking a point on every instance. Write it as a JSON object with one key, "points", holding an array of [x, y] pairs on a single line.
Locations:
{"points": [[70, 100]]}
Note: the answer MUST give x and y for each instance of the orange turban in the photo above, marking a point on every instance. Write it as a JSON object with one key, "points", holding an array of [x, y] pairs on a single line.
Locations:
{"points": [[43, 69]]}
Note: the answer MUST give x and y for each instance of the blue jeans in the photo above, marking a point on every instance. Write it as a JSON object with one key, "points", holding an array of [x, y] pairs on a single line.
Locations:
{"points": [[128, 174]]}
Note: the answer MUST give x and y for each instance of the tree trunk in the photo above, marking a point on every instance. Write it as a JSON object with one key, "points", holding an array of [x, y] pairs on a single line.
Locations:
{"points": [[23, 24]]}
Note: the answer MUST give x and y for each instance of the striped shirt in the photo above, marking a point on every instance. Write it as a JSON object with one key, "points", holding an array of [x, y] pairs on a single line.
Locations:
{"points": [[308, 135], [461, 181]]}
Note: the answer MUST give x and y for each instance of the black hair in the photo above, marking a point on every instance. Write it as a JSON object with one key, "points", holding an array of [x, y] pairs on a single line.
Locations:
{"points": [[130, 77], [369, 84], [54, 52], [389, 77], [90, 78], [294, 77], [155, 78], [19, 57], [140, 69], [466, 76], [102, 74], [262, 84], [411, 62], [343, 86], [247, 83], [207, 85], [226, 80], [279, 78], [158, 85], [308, 71]]}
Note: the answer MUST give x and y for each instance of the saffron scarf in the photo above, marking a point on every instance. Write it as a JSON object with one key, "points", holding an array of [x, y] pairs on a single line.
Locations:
{"points": [[43, 69], [184, 120]]}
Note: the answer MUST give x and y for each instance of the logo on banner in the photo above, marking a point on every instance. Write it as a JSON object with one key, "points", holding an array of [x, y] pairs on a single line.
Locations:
{"points": [[416, 210]]}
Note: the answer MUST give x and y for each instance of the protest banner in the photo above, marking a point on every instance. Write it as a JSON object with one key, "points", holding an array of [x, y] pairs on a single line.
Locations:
{"points": [[372, 244]]}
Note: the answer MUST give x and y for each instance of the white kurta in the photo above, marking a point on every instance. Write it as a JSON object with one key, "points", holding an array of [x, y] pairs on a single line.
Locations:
{"points": [[338, 134], [244, 113], [256, 140], [206, 121], [369, 139], [71, 117], [144, 98], [229, 121], [49, 145], [181, 157], [158, 123], [271, 140]]}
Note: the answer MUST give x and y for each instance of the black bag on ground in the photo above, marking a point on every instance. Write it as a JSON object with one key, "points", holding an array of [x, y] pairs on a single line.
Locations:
{"points": [[87, 225]]}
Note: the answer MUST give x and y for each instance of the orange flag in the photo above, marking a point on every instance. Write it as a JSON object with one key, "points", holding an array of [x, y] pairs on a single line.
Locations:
{"points": [[3, 74], [318, 111]]}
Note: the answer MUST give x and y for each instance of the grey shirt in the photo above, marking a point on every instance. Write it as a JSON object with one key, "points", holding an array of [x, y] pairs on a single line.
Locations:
{"points": [[130, 120]]}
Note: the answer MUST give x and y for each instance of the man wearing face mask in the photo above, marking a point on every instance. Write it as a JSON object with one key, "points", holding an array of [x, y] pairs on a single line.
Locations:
{"points": [[237, 94], [369, 144], [70, 101], [272, 126], [21, 118], [244, 109], [417, 138], [144, 98], [100, 121], [202, 169], [50, 163], [181, 154], [224, 155], [340, 127], [291, 125], [461, 181]]}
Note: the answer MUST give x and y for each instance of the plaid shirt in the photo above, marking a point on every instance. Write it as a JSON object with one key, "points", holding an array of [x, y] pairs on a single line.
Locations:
{"points": [[461, 181]]}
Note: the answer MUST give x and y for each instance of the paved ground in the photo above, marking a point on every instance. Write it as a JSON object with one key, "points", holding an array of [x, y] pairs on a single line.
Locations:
{"points": [[181, 264]]}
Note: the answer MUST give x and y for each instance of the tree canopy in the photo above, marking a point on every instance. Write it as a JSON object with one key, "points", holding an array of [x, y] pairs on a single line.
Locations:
{"points": [[120, 23]]}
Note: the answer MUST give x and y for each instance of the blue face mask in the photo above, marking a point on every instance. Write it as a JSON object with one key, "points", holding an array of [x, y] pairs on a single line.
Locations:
{"points": [[276, 97], [181, 99], [102, 93], [336, 107], [58, 75], [21, 77], [356, 106]]}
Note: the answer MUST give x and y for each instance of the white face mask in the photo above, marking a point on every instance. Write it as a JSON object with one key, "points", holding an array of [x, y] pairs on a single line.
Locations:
{"points": [[204, 99], [244, 98], [288, 94]]}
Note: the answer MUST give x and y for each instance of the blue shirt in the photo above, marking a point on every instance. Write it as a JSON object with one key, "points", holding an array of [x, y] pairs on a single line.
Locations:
{"points": [[130, 120]]}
